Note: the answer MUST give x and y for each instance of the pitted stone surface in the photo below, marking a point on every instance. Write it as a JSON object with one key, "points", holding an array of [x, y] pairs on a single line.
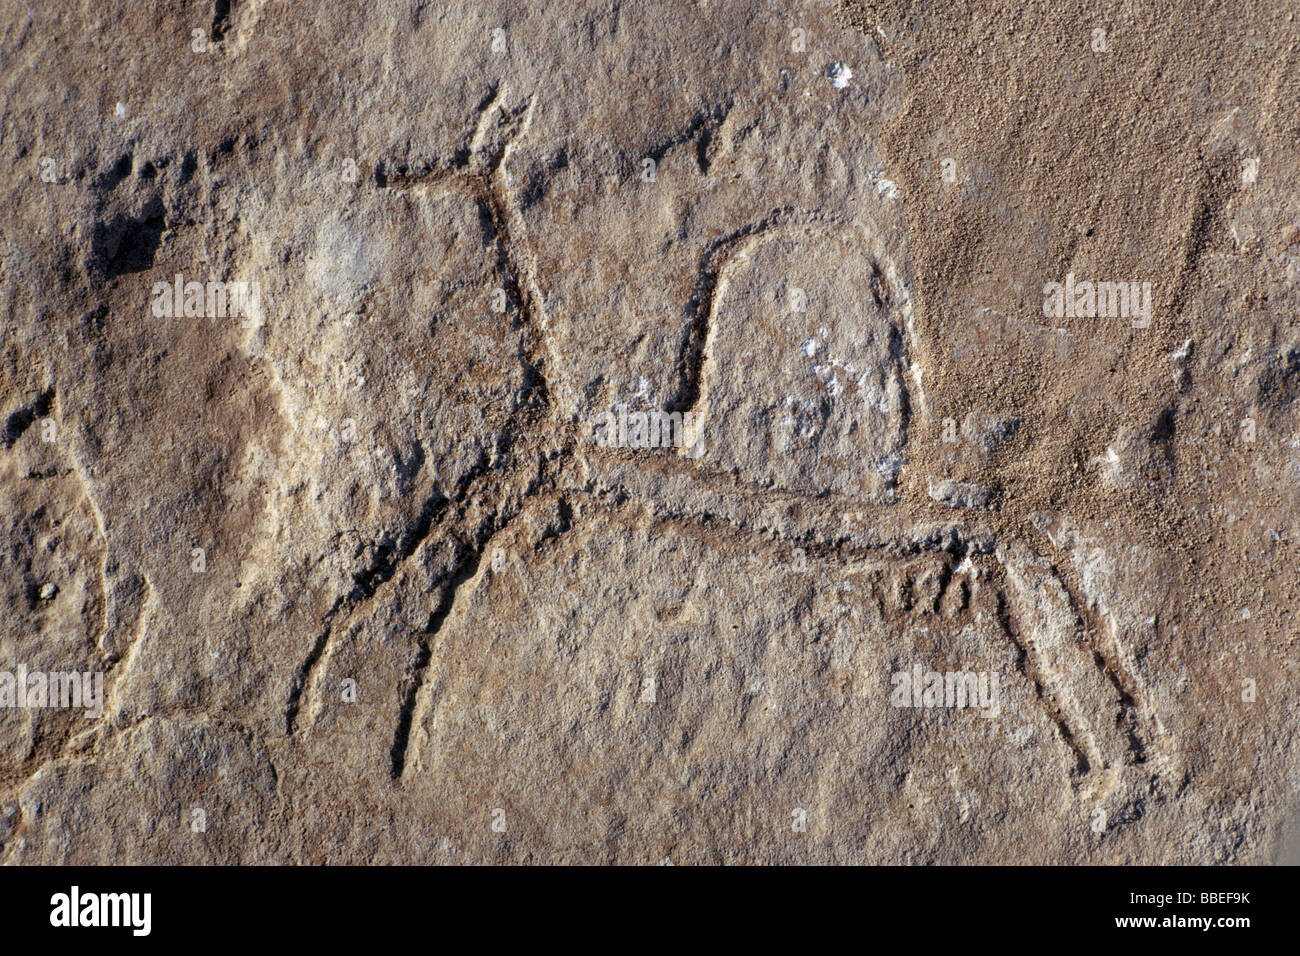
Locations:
{"points": [[359, 585]]}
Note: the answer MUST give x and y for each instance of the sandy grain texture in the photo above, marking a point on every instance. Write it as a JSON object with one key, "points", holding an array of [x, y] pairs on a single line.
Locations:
{"points": [[361, 578]]}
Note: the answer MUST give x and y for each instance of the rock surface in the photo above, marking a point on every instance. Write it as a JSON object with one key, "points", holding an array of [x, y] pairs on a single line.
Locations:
{"points": [[361, 586]]}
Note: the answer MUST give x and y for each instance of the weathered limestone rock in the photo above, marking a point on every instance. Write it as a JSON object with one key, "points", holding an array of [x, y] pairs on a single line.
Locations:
{"points": [[310, 317]]}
